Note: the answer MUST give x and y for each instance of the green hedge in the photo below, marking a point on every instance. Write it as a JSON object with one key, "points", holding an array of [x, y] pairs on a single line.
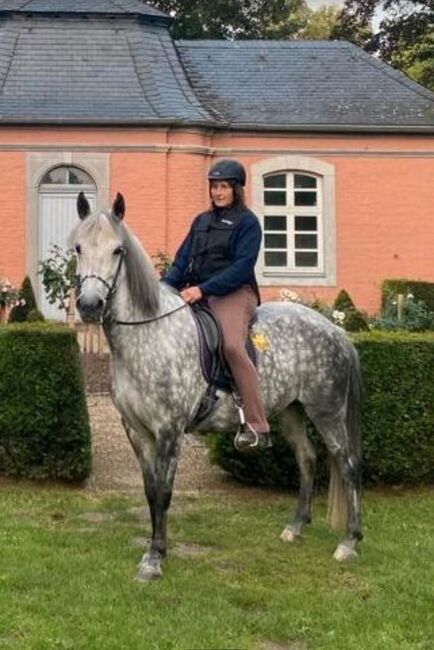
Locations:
{"points": [[421, 290], [44, 426], [398, 420]]}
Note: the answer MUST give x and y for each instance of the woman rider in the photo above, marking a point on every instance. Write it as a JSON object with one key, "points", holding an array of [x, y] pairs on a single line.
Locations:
{"points": [[216, 262]]}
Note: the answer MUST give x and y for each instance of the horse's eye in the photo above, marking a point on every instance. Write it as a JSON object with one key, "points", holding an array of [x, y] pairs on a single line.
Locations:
{"points": [[118, 250], [78, 249]]}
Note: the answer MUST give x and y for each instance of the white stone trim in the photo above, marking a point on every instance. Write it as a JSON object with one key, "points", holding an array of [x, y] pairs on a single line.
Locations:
{"points": [[288, 163], [38, 163]]}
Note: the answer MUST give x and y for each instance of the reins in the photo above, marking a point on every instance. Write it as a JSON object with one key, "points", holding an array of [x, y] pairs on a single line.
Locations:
{"points": [[111, 292], [148, 320]]}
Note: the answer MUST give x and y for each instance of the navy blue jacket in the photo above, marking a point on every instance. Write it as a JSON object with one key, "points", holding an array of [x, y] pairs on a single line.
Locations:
{"points": [[217, 277]]}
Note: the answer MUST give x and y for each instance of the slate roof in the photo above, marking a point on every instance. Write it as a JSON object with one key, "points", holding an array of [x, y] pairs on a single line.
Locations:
{"points": [[114, 7], [303, 84], [113, 62], [96, 71]]}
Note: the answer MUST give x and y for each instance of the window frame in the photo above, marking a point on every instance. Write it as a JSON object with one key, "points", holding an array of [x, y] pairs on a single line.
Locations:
{"points": [[325, 273]]}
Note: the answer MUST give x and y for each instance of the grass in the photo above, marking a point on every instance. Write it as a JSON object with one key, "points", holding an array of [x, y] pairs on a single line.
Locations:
{"points": [[66, 575]]}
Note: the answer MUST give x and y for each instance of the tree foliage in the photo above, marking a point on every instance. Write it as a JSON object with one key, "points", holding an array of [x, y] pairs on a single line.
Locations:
{"points": [[239, 19], [321, 23], [405, 35]]}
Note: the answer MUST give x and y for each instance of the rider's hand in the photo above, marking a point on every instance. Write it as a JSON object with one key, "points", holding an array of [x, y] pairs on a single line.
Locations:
{"points": [[191, 294]]}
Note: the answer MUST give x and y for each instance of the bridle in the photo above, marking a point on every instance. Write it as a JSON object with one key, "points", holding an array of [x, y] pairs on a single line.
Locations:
{"points": [[112, 288]]}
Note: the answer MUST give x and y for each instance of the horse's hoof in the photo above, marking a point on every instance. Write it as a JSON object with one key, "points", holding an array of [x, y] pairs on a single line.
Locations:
{"points": [[289, 535], [149, 573], [345, 553]]}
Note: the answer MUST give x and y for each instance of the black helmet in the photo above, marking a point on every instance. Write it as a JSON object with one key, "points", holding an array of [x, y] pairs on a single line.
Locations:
{"points": [[228, 170]]}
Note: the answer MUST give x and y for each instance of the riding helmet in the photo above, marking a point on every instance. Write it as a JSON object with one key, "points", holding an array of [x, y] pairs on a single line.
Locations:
{"points": [[228, 170]]}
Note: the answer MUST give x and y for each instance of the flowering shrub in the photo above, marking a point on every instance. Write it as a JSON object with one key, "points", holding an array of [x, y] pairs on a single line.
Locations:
{"points": [[58, 273], [162, 262], [337, 317], [9, 296]]}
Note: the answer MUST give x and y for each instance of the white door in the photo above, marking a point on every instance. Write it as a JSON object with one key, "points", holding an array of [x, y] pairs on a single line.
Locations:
{"points": [[57, 217]]}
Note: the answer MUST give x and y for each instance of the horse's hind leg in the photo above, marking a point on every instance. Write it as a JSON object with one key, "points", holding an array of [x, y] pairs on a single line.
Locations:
{"points": [[293, 428], [158, 460], [345, 482]]}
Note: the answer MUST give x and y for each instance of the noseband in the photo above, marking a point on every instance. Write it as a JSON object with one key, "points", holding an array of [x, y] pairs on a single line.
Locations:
{"points": [[112, 288]]}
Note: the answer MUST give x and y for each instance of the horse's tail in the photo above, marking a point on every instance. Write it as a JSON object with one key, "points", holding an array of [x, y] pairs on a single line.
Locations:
{"points": [[337, 510]]}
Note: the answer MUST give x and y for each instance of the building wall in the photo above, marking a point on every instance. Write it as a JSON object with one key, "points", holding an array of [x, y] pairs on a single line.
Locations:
{"points": [[13, 223], [383, 194]]}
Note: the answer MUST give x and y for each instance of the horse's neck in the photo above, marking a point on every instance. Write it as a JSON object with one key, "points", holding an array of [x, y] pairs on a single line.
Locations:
{"points": [[121, 336]]}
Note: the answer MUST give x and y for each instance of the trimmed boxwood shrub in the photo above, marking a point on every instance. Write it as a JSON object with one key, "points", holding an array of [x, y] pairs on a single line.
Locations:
{"points": [[354, 321], [397, 414], [44, 425], [398, 411], [21, 312]]}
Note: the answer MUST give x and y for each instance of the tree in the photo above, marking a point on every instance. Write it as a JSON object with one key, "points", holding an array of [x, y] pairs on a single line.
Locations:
{"points": [[405, 36], [321, 23], [234, 19]]}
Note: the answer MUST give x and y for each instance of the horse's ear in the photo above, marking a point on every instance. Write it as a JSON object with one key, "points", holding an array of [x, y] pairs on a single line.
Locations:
{"points": [[119, 206], [83, 207]]}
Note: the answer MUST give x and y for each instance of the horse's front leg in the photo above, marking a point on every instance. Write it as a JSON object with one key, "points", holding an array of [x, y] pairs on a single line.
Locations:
{"points": [[158, 460]]}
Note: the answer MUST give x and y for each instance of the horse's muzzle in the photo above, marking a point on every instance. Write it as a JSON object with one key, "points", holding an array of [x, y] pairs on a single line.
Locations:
{"points": [[90, 309]]}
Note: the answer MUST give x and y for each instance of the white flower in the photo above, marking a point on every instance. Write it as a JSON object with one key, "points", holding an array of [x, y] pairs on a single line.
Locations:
{"points": [[22, 302], [410, 296], [338, 316], [286, 295]]}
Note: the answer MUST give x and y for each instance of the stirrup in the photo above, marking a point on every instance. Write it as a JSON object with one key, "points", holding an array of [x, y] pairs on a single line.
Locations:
{"points": [[247, 439]]}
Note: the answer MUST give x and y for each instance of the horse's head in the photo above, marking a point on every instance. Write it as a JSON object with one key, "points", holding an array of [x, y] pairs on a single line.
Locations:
{"points": [[99, 243]]}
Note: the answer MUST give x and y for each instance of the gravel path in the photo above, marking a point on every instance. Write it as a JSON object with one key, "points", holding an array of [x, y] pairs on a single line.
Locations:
{"points": [[115, 466]]}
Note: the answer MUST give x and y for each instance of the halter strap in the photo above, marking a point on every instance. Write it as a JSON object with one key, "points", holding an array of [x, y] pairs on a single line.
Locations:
{"points": [[111, 292]]}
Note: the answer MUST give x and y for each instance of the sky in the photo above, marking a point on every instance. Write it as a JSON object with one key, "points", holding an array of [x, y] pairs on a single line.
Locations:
{"points": [[316, 4]]}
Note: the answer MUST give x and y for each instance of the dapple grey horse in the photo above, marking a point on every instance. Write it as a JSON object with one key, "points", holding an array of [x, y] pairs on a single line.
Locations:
{"points": [[307, 366]]}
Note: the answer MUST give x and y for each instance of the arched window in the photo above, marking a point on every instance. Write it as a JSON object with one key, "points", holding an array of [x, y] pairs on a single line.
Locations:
{"points": [[67, 175], [294, 197]]}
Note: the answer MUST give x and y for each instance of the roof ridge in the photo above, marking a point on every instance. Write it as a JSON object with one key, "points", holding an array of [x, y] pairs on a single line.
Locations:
{"points": [[146, 97], [317, 44], [182, 79]]}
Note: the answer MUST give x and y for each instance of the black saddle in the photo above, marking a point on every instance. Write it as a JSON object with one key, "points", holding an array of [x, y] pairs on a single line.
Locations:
{"points": [[214, 366]]}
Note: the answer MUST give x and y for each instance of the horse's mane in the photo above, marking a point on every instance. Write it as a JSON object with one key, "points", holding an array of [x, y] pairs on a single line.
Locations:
{"points": [[141, 277]]}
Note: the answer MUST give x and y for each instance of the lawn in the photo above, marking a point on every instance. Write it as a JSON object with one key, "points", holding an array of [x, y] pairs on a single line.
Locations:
{"points": [[68, 560]]}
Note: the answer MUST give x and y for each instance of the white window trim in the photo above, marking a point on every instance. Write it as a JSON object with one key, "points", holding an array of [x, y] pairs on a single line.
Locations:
{"points": [[299, 164]]}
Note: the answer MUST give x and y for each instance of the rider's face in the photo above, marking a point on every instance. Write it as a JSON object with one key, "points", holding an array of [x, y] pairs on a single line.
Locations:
{"points": [[222, 193]]}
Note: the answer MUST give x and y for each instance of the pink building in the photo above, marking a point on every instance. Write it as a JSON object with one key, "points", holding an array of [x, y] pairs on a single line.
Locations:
{"points": [[338, 146]]}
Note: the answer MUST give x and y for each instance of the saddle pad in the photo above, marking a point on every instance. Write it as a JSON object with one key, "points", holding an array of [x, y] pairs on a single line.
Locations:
{"points": [[214, 367]]}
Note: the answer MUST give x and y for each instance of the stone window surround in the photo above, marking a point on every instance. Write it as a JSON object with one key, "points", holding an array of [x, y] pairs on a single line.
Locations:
{"points": [[38, 164], [294, 163]]}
